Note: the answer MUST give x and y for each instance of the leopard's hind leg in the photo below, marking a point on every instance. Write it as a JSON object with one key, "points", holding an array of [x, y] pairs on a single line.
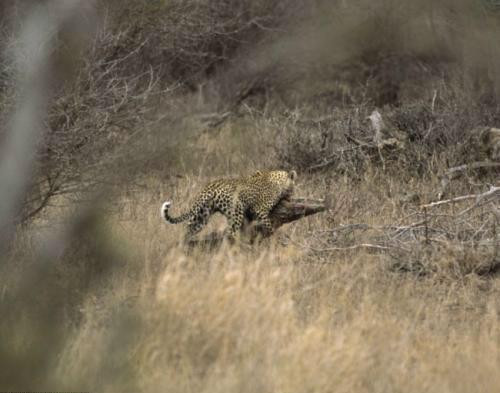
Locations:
{"points": [[265, 222], [235, 221], [197, 222]]}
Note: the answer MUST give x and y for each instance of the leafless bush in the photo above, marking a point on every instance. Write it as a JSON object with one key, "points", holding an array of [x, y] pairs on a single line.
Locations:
{"points": [[451, 238], [94, 118], [110, 302], [315, 143], [146, 46], [452, 242], [102, 119], [447, 124], [187, 41]]}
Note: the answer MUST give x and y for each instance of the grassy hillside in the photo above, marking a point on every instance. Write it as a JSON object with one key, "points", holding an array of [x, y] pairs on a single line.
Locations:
{"points": [[149, 101]]}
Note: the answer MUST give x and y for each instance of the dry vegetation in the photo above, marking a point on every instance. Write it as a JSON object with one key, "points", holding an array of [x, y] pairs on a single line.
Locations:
{"points": [[386, 292]]}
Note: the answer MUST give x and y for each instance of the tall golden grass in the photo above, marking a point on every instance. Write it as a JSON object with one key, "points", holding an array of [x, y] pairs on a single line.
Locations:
{"points": [[281, 318], [101, 295]]}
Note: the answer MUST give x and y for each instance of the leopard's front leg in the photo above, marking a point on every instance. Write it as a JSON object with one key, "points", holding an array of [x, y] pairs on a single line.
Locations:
{"points": [[265, 223]]}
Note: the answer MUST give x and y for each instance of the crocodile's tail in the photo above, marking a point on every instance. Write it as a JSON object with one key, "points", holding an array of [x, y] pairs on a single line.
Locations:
{"points": [[170, 219]]}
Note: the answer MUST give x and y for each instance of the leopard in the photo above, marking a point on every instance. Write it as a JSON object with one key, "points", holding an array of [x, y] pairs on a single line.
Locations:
{"points": [[250, 197]]}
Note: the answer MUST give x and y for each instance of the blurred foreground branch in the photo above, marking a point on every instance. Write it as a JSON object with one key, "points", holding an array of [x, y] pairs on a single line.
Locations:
{"points": [[32, 57]]}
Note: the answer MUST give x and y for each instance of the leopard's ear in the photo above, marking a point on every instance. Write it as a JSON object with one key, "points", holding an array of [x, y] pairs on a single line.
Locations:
{"points": [[257, 173], [293, 175]]}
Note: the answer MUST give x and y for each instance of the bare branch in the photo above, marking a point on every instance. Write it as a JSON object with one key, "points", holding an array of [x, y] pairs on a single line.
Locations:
{"points": [[490, 192], [458, 171], [354, 247]]}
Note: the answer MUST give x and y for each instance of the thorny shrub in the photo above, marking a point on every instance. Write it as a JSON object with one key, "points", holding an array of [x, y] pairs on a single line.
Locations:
{"points": [[144, 48], [445, 125]]}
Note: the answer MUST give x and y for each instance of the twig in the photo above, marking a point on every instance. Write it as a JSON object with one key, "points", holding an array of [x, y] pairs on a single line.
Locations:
{"points": [[331, 158], [434, 96], [354, 247], [426, 221], [488, 193], [478, 203], [457, 171]]}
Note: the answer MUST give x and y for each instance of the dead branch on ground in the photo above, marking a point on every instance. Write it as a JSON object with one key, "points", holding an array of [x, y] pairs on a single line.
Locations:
{"points": [[439, 238], [490, 192], [458, 171]]}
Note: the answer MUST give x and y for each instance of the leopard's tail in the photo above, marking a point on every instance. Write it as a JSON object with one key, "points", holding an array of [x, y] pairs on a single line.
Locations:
{"points": [[170, 219]]}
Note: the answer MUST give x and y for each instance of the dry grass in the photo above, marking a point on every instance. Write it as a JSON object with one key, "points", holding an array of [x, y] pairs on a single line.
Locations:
{"points": [[283, 318], [376, 295]]}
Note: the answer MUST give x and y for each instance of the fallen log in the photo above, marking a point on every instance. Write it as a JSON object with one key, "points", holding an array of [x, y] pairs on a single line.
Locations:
{"points": [[287, 211], [294, 209]]}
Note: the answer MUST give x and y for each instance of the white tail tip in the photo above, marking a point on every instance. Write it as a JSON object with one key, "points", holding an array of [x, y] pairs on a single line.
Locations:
{"points": [[164, 208]]}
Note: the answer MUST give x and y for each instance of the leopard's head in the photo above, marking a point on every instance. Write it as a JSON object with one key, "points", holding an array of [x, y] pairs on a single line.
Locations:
{"points": [[285, 180]]}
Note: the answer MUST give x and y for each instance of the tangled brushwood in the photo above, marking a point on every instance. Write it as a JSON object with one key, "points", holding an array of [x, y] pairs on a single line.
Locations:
{"points": [[380, 272]]}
